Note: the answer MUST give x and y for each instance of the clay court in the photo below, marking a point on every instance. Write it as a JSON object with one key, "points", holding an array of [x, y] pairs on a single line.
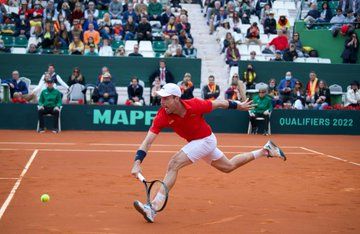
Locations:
{"points": [[87, 175]]}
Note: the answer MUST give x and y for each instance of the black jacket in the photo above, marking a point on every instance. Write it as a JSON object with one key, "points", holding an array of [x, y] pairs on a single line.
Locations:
{"points": [[207, 94], [135, 92], [289, 55], [169, 78]]}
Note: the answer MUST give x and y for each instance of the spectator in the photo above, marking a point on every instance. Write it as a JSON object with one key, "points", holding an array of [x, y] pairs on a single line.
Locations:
{"points": [[118, 31], [227, 40], [286, 87], [48, 37], [311, 87], [90, 20], [179, 53], [141, 8], [105, 49], [31, 50], [325, 13], [346, 6], [115, 9], [322, 96], [296, 40], [87, 45], [170, 29], [253, 34], [232, 55], [290, 54], [166, 15], [280, 42], [19, 92], [349, 24], [65, 10], [245, 11], [130, 29], [262, 109], [105, 26], [104, 70], [353, 95], [163, 73], [337, 22], [188, 50], [76, 29], [283, 24], [107, 90], [53, 76], [62, 37], [155, 99], [252, 56], [265, 12], [76, 77], [76, 47], [211, 91], [120, 52], [249, 77], [312, 16], [260, 5], [278, 57], [91, 10], [217, 20], [187, 87], [171, 51], [49, 103], [103, 4], [350, 52], [130, 12], [92, 51], [135, 53], [274, 93], [22, 27], [50, 13], [270, 24], [154, 10], [135, 93], [77, 13], [144, 29], [298, 96], [183, 37], [241, 88], [92, 33], [184, 25]]}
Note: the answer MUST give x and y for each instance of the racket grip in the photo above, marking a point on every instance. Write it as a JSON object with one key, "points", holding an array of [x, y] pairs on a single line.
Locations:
{"points": [[141, 177]]}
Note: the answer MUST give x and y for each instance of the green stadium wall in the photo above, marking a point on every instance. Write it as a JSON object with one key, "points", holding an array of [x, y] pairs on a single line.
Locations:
{"points": [[341, 74], [323, 42], [125, 118], [121, 68]]}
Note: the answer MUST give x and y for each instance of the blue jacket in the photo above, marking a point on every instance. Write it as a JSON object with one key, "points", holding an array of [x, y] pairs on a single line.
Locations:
{"points": [[107, 87], [282, 84], [19, 87]]}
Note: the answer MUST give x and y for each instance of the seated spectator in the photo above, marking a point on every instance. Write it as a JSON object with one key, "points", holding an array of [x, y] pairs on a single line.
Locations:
{"points": [[64, 10], [350, 52], [91, 10], [77, 46], [253, 34], [22, 27], [353, 95], [264, 13], [270, 24], [169, 29], [48, 37], [171, 51], [92, 51], [107, 90], [252, 56], [227, 40], [299, 47], [263, 108], [130, 29], [232, 55], [166, 15], [249, 77], [337, 22], [144, 30], [104, 70], [154, 10], [290, 54], [90, 20], [245, 12], [49, 103], [115, 9], [348, 27], [298, 96], [325, 13], [184, 25], [105, 49], [188, 50], [311, 87], [92, 33], [76, 29], [187, 87], [19, 92], [155, 99], [105, 26], [261, 6], [62, 37], [322, 96], [211, 91], [182, 38], [135, 52], [130, 12], [286, 87], [179, 53], [163, 73], [141, 8], [278, 56], [217, 20], [77, 13], [120, 52], [235, 23], [283, 23], [135, 93], [312, 16], [213, 8], [76, 77], [31, 50], [274, 93], [118, 31], [87, 45], [103, 4], [280, 42]]}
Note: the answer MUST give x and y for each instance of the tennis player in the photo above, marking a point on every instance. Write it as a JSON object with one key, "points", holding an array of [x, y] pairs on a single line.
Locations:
{"points": [[185, 117]]}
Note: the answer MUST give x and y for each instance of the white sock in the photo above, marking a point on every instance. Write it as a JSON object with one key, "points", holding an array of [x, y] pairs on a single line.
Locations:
{"points": [[257, 153]]}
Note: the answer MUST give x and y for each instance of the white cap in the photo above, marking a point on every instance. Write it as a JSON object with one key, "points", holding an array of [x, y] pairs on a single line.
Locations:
{"points": [[168, 90]]}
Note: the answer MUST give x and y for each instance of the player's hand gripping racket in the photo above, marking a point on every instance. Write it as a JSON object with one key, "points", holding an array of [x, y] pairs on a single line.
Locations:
{"points": [[156, 191]]}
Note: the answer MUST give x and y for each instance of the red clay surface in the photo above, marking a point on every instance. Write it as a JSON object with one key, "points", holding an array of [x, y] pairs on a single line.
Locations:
{"points": [[92, 191]]}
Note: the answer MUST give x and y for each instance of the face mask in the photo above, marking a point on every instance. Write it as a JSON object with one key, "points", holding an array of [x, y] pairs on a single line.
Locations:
{"points": [[271, 17], [288, 77], [249, 68], [272, 85]]}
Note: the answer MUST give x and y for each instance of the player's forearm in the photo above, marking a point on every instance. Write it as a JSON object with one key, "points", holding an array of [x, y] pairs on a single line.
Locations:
{"points": [[220, 104]]}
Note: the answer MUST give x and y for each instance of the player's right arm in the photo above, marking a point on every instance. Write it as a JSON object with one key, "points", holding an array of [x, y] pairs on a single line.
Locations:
{"points": [[144, 148]]}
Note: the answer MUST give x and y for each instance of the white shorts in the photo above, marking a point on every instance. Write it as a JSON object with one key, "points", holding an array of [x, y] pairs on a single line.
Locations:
{"points": [[205, 148]]}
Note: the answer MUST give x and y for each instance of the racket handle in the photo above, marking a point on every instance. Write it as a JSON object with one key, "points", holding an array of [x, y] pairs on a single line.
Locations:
{"points": [[141, 177]]}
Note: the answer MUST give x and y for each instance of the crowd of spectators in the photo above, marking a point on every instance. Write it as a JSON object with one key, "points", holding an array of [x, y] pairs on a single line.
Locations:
{"points": [[95, 27]]}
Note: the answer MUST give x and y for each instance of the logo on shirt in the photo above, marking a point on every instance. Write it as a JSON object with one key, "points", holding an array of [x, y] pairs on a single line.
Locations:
{"points": [[171, 121]]}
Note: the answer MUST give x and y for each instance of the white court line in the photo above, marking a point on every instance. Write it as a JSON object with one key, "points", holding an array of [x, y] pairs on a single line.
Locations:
{"points": [[8, 178], [329, 156], [129, 151], [33, 143], [17, 184]]}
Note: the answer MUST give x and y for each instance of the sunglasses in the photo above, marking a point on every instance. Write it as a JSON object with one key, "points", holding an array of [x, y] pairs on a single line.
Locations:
{"points": [[262, 92]]}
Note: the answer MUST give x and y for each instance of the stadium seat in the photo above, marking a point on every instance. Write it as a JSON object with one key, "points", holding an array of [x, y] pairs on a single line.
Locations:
{"points": [[21, 41], [244, 57], [300, 60], [115, 44], [101, 14], [27, 81], [129, 46], [244, 28], [159, 46], [324, 60], [289, 5], [255, 48], [49, 115], [15, 50], [312, 60], [264, 38], [148, 54], [272, 36], [243, 49], [8, 40], [336, 94], [278, 5], [145, 46]]}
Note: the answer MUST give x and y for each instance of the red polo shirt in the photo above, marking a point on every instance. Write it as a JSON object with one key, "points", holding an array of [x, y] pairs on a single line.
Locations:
{"points": [[192, 126], [280, 42]]}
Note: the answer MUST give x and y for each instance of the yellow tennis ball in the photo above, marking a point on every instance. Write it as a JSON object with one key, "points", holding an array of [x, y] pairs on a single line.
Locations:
{"points": [[45, 198]]}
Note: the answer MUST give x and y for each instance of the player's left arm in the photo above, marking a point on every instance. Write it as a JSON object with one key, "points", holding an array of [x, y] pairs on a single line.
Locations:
{"points": [[228, 104]]}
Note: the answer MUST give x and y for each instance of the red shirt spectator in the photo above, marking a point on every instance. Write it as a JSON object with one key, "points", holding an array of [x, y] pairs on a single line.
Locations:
{"points": [[280, 42]]}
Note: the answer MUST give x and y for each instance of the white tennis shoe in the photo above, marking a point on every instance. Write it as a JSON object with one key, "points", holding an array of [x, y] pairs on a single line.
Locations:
{"points": [[148, 213], [274, 151]]}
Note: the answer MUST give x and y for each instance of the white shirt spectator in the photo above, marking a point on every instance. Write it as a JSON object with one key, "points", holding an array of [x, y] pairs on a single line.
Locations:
{"points": [[352, 97], [106, 50], [42, 84]]}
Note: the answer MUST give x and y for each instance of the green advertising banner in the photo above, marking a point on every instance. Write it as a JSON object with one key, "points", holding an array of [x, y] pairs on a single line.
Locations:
{"points": [[127, 118]]}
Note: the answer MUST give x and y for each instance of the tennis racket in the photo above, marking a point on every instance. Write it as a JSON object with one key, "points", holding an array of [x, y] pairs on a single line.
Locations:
{"points": [[152, 189]]}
